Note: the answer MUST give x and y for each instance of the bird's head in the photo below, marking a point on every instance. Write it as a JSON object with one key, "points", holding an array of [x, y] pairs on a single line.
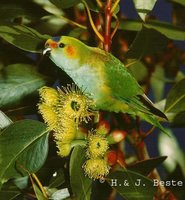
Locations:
{"points": [[66, 46], [65, 50]]}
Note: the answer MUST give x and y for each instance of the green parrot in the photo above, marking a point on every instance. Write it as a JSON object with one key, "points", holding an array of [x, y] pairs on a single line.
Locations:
{"points": [[105, 79]]}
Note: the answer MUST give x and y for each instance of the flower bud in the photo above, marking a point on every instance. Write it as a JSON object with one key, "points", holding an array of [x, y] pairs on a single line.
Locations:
{"points": [[116, 136], [112, 157], [103, 128]]}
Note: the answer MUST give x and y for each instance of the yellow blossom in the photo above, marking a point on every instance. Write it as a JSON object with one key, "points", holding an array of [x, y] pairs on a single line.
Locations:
{"points": [[66, 130], [96, 168], [49, 95], [97, 146], [63, 149], [49, 115], [75, 104]]}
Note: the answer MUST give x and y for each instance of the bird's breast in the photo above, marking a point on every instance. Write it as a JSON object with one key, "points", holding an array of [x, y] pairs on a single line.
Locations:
{"points": [[91, 80]]}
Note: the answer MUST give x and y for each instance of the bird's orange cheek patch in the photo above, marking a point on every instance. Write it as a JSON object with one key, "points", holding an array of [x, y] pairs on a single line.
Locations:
{"points": [[71, 51]]}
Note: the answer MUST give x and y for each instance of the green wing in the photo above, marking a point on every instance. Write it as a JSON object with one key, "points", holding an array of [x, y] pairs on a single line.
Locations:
{"points": [[121, 82], [126, 89]]}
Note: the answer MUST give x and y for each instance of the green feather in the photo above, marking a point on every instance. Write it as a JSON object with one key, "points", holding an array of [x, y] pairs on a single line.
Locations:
{"points": [[105, 78]]}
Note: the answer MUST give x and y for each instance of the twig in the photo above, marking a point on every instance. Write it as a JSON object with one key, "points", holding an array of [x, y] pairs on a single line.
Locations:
{"points": [[116, 26], [36, 179], [148, 132], [114, 6], [39, 184], [71, 22], [131, 63], [92, 23], [100, 4]]}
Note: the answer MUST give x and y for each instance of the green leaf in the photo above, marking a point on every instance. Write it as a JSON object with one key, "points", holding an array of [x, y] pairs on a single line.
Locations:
{"points": [[176, 98], [170, 31], [23, 37], [130, 191], [157, 83], [81, 184], [21, 182], [146, 166], [138, 70], [9, 193], [65, 3], [175, 105], [76, 32], [143, 7], [147, 41], [179, 76], [23, 145], [4, 120], [129, 25], [61, 194], [38, 192], [178, 120], [16, 9], [182, 2], [170, 147], [18, 81], [57, 180]]}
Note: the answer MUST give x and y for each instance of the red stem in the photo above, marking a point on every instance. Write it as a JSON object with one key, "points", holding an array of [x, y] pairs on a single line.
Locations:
{"points": [[107, 34]]}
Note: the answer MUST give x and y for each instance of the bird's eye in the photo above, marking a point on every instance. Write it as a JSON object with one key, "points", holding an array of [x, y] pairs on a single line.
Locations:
{"points": [[61, 45]]}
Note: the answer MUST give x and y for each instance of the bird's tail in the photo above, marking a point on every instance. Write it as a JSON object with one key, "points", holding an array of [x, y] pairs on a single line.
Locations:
{"points": [[152, 119], [149, 104], [145, 109]]}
